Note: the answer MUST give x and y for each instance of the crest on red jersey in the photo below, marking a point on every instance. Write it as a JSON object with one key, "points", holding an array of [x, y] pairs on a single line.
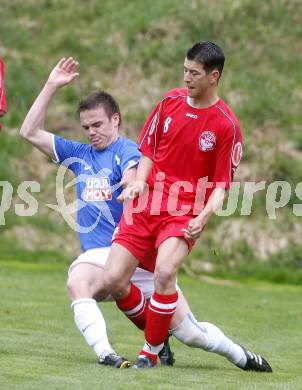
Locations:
{"points": [[207, 141], [237, 154]]}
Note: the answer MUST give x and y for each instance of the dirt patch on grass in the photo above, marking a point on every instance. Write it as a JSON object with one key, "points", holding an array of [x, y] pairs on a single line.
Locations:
{"points": [[206, 278], [264, 236], [32, 238]]}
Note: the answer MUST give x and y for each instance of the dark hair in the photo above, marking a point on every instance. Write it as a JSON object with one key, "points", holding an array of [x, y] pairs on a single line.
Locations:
{"points": [[103, 99], [208, 54]]}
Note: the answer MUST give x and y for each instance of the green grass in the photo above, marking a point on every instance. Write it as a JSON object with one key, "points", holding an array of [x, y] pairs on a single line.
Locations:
{"points": [[41, 348]]}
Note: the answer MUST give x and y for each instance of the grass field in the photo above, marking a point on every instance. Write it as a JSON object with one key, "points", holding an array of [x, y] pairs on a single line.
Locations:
{"points": [[41, 349], [135, 50]]}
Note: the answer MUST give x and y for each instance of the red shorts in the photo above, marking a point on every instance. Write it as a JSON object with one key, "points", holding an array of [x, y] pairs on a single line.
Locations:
{"points": [[147, 232]]}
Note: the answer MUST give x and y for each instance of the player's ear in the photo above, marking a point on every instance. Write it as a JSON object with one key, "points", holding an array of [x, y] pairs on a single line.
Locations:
{"points": [[215, 74], [115, 119]]}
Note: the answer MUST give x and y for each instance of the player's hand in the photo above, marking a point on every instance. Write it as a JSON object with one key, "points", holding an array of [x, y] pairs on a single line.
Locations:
{"points": [[132, 191], [194, 229], [63, 73]]}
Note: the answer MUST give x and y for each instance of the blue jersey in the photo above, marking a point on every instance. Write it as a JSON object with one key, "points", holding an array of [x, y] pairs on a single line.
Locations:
{"points": [[98, 174]]}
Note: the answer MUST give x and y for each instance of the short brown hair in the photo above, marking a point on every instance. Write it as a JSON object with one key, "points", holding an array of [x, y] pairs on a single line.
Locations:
{"points": [[103, 99], [209, 54]]}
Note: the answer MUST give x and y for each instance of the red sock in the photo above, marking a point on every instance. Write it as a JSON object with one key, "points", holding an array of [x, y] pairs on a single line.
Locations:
{"points": [[134, 306], [152, 356], [159, 313]]}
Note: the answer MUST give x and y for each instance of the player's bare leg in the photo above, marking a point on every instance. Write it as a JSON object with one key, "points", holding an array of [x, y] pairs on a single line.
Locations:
{"points": [[119, 268], [85, 286], [171, 254], [210, 338]]}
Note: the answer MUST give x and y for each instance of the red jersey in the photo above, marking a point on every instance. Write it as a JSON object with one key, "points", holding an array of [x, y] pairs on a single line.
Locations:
{"points": [[2, 90], [188, 144]]}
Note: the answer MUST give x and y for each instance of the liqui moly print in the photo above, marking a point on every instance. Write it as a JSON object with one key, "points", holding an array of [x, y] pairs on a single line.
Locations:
{"points": [[97, 189]]}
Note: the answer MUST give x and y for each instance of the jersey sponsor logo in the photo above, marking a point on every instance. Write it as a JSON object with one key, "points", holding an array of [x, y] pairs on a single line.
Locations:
{"points": [[207, 141], [97, 189], [237, 154], [190, 115]]}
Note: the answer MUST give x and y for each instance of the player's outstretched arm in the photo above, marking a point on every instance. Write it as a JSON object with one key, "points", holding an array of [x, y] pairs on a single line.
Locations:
{"points": [[32, 130]]}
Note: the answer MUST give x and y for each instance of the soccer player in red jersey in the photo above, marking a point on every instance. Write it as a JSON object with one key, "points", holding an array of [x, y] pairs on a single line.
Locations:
{"points": [[2, 90], [191, 146]]}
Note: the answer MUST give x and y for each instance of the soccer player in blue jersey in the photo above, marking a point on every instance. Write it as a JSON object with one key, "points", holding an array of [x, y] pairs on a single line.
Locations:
{"points": [[103, 168]]}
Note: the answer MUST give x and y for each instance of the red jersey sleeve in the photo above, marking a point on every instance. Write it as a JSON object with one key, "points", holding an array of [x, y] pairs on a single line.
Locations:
{"points": [[229, 153], [150, 134], [2, 90]]}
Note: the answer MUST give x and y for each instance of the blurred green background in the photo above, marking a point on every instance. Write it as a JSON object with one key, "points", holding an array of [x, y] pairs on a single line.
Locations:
{"points": [[135, 50]]}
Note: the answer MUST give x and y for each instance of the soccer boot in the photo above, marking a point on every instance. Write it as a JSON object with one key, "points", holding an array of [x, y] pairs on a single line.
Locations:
{"points": [[166, 356], [255, 362], [143, 362], [114, 360]]}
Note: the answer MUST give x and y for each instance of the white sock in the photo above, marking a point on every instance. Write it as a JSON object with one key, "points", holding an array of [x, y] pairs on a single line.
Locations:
{"points": [[90, 322], [210, 338], [154, 349]]}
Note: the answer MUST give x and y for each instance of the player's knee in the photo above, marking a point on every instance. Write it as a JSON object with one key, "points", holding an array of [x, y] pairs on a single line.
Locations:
{"points": [[164, 276], [115, 285], [71, 285], [78, 287], [110, 281]]}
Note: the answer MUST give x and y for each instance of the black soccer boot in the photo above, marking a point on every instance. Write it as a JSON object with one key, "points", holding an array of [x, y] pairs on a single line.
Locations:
{"points": [[114, 360], [255, 362], [166, 356], [144, 362]]}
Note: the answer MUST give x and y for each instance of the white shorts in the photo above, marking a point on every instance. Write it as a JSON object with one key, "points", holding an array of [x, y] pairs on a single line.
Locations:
{"points": [[143, 279]]}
